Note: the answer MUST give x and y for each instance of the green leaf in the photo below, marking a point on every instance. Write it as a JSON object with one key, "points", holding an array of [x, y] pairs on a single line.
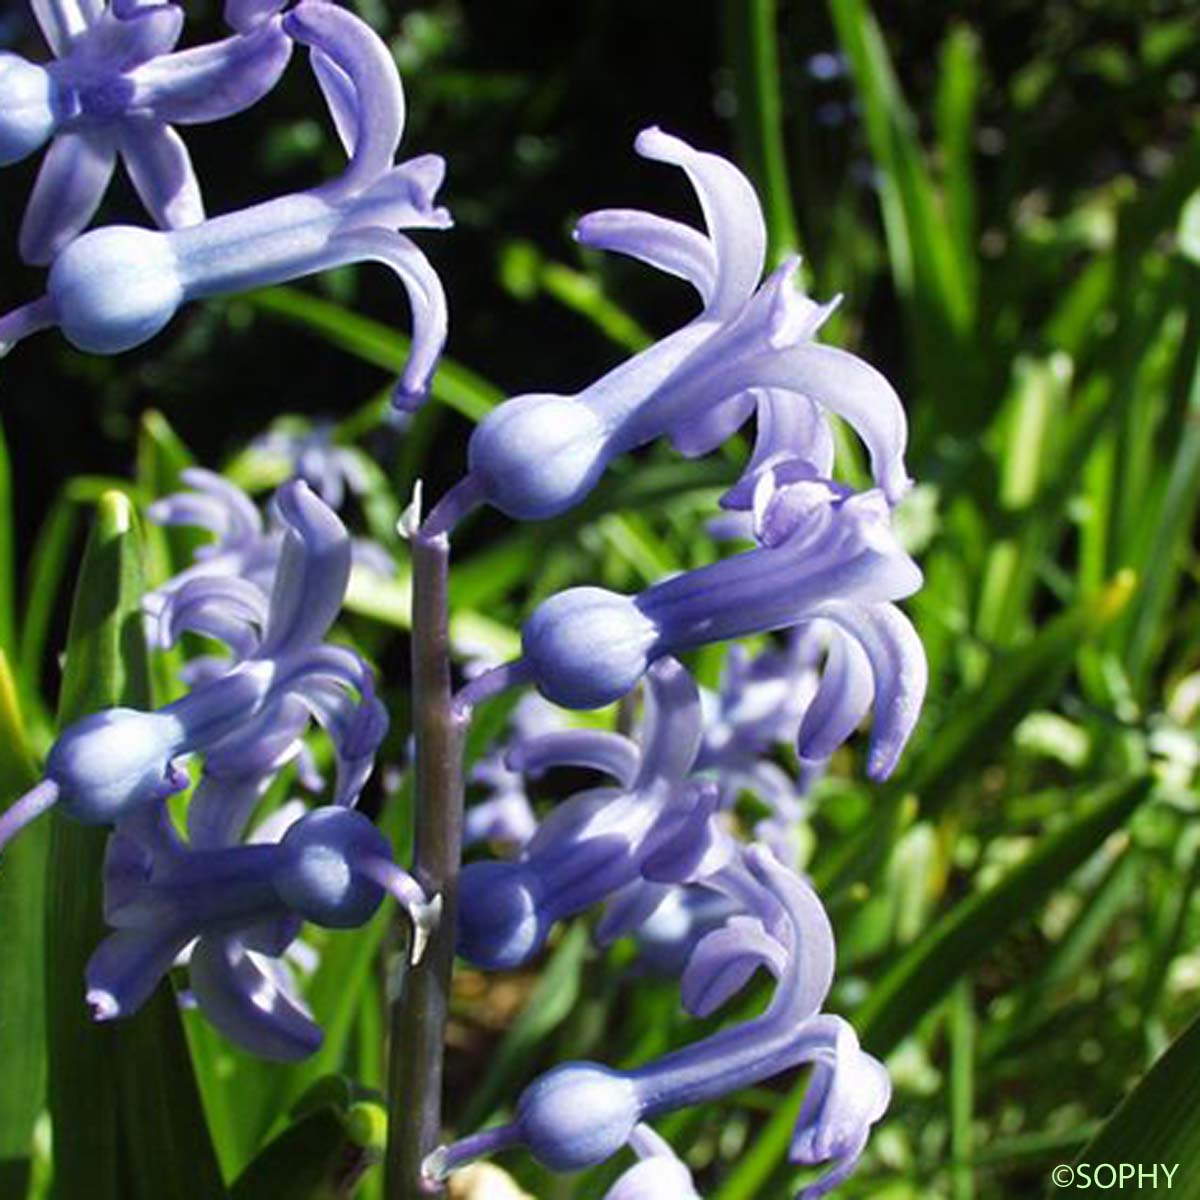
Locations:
{"points": [[979, 725], [22, 994], [931, 965], [7, 563], [751, 35], [44, 581], [1156, 1122], [454, 384], [316, 1158], [127, 1118]]}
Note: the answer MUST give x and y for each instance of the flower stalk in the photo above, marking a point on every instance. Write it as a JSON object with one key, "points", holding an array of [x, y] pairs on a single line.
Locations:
{"points": [[418, 1016]]}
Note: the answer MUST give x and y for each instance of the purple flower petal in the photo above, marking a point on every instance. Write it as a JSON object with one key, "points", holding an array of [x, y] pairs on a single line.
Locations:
{"points": [[425, 295], [723, 962], [731, 212], [69, 187], [314, 568], [611, 753], [669, 246], [62, 21], [355, 48], [843, 697], [161, 170], [247, 1005], [211, 82], [244, 15], [900, 670], [338, 89]]}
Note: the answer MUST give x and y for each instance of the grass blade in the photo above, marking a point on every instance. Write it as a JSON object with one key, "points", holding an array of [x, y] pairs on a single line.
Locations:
{"points": [[22, 992], [1156, 1123], [931, 965]]}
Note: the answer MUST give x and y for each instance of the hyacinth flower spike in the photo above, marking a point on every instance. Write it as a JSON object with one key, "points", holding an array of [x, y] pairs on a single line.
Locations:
{"points": [[116, 287], [839, 564], [109, 764], [538, 455], [597, 841], [580, 1114], [239, 905], [115, 90]]}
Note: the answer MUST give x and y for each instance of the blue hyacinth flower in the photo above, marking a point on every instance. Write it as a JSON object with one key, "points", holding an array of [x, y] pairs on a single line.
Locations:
{"points": [[247, 717], [115, 90], [116, 287]]}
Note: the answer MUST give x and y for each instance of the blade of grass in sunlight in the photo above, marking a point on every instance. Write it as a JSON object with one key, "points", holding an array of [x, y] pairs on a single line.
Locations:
{"points": [[926, 970], [22, 994]]}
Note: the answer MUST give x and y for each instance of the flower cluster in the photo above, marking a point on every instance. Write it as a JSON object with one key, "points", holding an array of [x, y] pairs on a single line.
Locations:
{"points": [[116, 87], [658, 847], [245, 714]]}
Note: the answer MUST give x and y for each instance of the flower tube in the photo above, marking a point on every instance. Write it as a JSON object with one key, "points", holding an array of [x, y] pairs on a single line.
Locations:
{"points": [[538, 455]]}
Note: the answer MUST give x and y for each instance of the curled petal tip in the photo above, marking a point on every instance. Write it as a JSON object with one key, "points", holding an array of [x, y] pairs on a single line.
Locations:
{"points": [[102, 1005]]}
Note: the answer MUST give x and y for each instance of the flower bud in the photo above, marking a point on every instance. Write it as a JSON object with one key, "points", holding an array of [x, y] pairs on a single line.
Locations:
{"points": [[111, 762], [499, 925], [587, 647], [115, 288], [27, 100], [318, 877], [577, 1115], [538, 455]]}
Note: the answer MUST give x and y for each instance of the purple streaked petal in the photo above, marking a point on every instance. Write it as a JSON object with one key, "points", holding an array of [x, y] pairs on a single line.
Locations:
{"points": [[628, 908], [126, 968], [839, 382], [658, 1175], [430, 315], [723, 962], [843, 697], [220, 809], [214, 504], [612, 753], [338, 89], [731, 212], [669, 246], [248, 1006], [789, 426], [211, 82], [361, 54], [712, 427], [506, 818], [848, 1092], [671, 727], [356, 727], [31, 111], [114, 44], [70, 184], [62, 21], [314, 568], [223, 607], [161, 170], [900, 670]]}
